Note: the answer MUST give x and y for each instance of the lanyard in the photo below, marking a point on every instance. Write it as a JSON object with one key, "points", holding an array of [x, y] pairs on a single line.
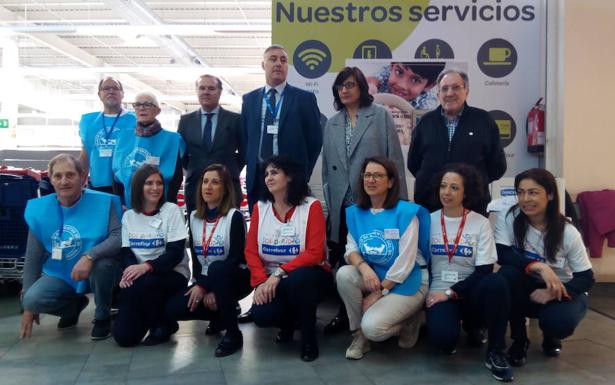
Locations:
{"points": [[110, 131], [61, 214], [450, 252], [274, 112], [205, 245]]}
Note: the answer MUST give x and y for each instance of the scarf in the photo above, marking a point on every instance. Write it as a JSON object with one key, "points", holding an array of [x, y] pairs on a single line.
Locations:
{"points": [[150, 130]]}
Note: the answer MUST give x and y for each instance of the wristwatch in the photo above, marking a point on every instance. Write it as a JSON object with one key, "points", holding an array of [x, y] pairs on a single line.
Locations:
{"points": [[280, 273], [449, 293], [384, 291]]}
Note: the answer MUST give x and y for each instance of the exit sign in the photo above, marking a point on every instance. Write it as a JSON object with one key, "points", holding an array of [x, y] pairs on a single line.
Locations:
{"points": [[4, 123]]}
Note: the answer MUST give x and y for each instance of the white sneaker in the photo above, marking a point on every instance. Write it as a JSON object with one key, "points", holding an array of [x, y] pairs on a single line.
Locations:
{"points": [[409, 333], [359, 346]]}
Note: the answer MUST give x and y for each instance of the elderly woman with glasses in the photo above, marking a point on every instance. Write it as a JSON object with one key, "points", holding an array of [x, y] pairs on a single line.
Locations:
{"points": [[151, 145], [359, 130]]}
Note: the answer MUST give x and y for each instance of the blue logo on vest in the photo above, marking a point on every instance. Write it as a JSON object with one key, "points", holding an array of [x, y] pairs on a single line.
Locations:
{"points": [[378, 249], [136, 158], [100, 140], [70, 242]]}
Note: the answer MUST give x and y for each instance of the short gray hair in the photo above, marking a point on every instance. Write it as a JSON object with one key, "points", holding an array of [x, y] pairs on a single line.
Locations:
{"points": [[464, 76], [69, 158], [275, 46], [217, 79], [149, 95]]}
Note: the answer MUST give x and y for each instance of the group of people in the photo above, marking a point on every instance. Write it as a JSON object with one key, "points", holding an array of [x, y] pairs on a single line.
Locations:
{"points": [[393, 258]]}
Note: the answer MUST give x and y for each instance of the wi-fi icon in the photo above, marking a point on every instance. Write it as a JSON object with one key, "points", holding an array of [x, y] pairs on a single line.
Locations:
{"points": [[312, 57]]}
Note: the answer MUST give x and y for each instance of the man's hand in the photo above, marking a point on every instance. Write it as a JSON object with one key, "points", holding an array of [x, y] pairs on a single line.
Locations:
{"points": [[82, 268], [27, 319]]}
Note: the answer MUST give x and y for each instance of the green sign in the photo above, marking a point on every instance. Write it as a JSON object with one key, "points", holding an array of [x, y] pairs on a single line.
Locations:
{"points": [[4, 123]]}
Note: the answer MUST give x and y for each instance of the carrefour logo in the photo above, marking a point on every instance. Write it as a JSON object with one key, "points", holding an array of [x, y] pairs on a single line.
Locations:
{"points": [[70, 242], [462, 251]]}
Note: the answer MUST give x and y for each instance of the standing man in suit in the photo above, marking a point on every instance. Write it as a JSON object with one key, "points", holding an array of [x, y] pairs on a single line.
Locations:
{"points": [[278, 119], [212, 135]]}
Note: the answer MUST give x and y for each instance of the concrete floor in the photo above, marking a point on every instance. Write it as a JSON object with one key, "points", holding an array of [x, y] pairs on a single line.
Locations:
{"points": [[69, 357]]}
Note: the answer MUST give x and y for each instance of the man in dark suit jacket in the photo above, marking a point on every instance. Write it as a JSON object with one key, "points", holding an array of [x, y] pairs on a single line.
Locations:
{"points": [[278, 119], [212, 135]]}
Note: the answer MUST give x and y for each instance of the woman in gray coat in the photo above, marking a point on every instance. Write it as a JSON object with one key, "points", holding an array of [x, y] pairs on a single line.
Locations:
{"points": [[359, 130]]}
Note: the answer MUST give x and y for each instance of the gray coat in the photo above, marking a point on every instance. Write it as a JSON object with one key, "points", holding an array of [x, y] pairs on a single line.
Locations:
{"points": [[375, 135]]}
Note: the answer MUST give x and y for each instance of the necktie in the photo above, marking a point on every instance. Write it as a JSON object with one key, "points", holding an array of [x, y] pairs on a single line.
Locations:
{"points": [[267, 146], [207, 130]]}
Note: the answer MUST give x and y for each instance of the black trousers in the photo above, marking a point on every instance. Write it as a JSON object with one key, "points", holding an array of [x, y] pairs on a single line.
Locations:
{"points": [[142, 304], [487, 304], [296, 300], [229, 283], [556, 319]]}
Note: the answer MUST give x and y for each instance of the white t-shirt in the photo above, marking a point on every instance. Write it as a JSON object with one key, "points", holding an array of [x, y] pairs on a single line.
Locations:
{"points": [[220, 240], [476, 248], [571, 257], [147, 236]]}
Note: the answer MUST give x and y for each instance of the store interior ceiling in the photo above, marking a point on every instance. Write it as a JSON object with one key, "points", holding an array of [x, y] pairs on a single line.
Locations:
{"points": [[63, 48]]}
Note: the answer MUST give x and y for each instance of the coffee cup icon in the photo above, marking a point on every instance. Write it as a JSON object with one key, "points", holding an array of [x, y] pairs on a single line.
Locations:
{"points": [[498, 55]]}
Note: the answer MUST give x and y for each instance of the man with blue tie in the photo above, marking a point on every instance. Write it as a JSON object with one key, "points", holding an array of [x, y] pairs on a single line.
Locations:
{"points": [[212, 135], [278, 119]]}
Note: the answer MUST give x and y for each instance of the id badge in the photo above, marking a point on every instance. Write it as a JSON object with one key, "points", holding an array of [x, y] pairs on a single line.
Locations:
{"points": [[155, 222], [153, 160], [287, 231], [272, 129], [450, 276], [391, 233], [56, 253], [105, 152]]}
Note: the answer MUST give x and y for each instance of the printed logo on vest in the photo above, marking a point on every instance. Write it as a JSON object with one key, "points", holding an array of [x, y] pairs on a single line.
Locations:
{"points": [[462, 251], [375, 247], [139, 243], [136, 158], [280, 249], [70, 242]]}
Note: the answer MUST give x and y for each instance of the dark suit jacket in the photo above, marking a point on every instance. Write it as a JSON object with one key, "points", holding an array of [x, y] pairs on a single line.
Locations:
{"points": [[299, 130], [225, 149]]}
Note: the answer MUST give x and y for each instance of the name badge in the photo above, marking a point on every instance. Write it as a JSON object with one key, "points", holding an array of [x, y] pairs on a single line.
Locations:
{"points": [[450, 276], [272, 129], [105, 152], [155, 223], [391, 233], [56, 253], [287, 231], [153, 160]]}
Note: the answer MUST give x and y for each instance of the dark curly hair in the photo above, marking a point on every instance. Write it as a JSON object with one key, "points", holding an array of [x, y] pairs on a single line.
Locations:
{"points": [[473, 190], [365, 99], [297, 189]]}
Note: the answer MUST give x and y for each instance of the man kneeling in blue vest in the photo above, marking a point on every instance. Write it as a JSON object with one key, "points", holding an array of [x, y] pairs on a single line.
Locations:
{"points": [[73, 245]]}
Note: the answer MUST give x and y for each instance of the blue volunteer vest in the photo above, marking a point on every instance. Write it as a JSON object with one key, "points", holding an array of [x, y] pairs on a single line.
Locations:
{"points": [[132, 151], [85, 225], [380, 251], [100, 141]]}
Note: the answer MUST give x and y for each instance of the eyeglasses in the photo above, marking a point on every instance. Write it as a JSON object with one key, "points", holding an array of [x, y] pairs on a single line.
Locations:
{"points": [[377, 176], [145, 106], [109, 89], [455, 88], [347, 85]]}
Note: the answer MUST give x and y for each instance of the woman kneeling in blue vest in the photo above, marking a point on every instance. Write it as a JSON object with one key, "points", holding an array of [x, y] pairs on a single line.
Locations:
{"points": [[153, 240], [73, 241], [384, 284]]}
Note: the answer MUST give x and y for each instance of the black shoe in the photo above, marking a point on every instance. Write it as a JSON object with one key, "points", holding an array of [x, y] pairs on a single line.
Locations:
{"points": [[309, 352], [338, 324], [245, 317], [500, 369], [101, 329], [477, 337], [285, 335], [160, 335], [552, 347], [69, 322], [229, 345], [214, 328], [517, 353]]}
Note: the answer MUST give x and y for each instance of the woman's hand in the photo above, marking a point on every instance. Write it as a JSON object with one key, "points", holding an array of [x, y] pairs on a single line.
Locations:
{"points": [[265, 292], [434, 297], [554, 284], [132, 272], [370, 279], [371, 299], [210, 302], [542, 296], [197, 294]]}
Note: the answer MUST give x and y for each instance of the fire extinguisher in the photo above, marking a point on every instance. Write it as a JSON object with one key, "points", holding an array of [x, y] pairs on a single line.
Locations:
{"points": [[535, 129]]}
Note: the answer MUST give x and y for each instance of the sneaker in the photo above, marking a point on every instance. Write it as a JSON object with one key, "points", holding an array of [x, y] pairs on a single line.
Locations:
{"points": [[69, 322], [497, 363], [477, 337], [552, 347], [101, 329], [409, 333], [359, 346], [517, 354]]}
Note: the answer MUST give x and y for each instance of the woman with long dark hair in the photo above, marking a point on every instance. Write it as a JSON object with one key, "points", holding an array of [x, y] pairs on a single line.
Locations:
{"points": [[545, 262]]}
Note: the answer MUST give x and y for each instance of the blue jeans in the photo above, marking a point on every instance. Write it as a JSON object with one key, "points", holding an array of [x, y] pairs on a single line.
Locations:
{"points": [[50, 295]]}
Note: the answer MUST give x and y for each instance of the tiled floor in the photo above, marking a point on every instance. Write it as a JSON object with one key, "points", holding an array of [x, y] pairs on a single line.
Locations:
{"points": [[69, 357]]}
